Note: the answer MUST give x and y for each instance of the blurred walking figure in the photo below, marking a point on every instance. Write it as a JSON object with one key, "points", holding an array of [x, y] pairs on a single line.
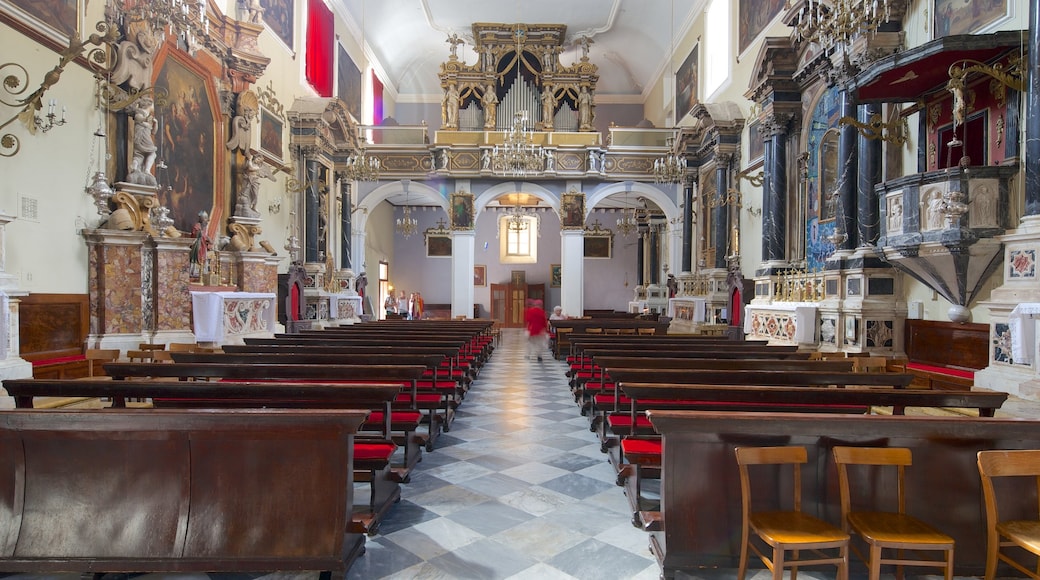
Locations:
{"points": [[537, 329]]}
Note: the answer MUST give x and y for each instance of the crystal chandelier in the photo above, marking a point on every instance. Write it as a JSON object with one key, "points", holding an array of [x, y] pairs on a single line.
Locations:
{"points": [[362, 166], [838, 22], [669, 169], [628, 223], [186, 18], [407, 225], [518, 156], [517, 220]]}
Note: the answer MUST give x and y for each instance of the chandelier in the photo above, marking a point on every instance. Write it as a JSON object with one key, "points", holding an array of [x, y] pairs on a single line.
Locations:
{"points": [[362, 166], [186, 18], [628, 223], [407, 225], [669, 169], [838, 22], [517, 219], [518, 156]]}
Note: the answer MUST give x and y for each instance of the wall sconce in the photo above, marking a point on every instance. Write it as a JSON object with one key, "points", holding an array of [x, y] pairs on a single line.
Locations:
{"points": [[50, 120]]}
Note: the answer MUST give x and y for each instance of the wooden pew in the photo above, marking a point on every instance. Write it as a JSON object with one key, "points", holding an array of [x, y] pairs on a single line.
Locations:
{"points": [[942, 486], [177, 491]]}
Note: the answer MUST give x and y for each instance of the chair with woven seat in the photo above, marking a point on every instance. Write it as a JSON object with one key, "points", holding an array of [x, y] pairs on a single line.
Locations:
{"points": [[786, 530], [1018, 533], [888, 530]]}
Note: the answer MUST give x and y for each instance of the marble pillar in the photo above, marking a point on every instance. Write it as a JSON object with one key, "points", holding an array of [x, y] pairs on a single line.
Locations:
{"points": [[345, 205], [720, 219], [1032, 148], [869, 155], [640, 256], [463, 246], [847, 180], [12, 365], [171, 302], [655, 254], [572, 267], [689, 186], [114, 281], [312, 210], [774, 188]]}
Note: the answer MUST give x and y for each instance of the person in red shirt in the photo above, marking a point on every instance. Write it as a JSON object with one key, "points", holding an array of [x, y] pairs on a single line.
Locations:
{"points": [[537, 329]]}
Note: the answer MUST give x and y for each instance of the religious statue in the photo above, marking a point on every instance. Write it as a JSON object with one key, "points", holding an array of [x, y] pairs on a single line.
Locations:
{"points": [[490, 102], [450, 108], [455, 41], [585, 109], [485, 160], [134, 57], [197, 257], [145, 127], [254, 11], [550, 161], [585, 42], [548, 107], [249, 187], [489, 59]]}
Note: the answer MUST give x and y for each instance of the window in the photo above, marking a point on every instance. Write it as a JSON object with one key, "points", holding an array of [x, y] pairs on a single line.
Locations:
{"points": [[717, 46], [518, 246]]}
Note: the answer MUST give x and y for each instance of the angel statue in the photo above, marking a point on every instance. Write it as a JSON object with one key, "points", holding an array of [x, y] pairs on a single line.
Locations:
{"points": [[455, 41], [249, 189], [144, 149]]}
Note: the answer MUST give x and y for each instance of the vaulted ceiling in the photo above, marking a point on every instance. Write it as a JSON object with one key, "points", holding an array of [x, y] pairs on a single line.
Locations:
{"points": [[631, 38]]}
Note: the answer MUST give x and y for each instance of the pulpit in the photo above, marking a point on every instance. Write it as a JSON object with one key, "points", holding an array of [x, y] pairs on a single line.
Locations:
{"points": [[228, 317]]}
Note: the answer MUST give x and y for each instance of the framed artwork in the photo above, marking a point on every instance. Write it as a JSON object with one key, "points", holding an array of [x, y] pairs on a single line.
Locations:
{"points": [[55, 20], [827, 173], [555, 275], [598, 246], [190, 127], [686, 85], [271, 131], [280, 18], [754, 17], [963, 17], [438, 245], [572, 211], [480, 275], [462, 211], [756, 146], [349, 83]]}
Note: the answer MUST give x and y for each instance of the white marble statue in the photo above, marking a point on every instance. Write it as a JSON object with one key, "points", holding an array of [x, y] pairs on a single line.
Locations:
{"points": [[144, 149]]}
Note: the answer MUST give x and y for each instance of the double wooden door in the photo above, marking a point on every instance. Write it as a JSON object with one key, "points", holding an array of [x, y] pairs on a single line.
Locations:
{"points": [[508, 302]]}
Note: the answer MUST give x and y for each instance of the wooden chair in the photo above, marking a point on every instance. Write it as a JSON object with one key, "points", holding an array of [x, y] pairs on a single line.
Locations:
{"points": [[139, 355], [182, 347], [888, 530], [627, 330], [786, 530], [593, 331], [162, 356], [646, 331], [612, 331], [96, 356], [151, 346], [1020, 533], [869, 364]]}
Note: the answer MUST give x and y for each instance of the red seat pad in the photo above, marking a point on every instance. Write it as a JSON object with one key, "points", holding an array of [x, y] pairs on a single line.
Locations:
{"points": [[607, 400], [375, 418], [942, 370], [595, 386], [419, 398], [381, 451], [625, 420], [59, 360], [438, 385], [823, 408], [642, 451]]}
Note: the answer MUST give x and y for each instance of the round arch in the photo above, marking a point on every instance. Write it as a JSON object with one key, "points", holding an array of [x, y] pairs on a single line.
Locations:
{"points": [[667, 204], [417, 188], [534, 189]]}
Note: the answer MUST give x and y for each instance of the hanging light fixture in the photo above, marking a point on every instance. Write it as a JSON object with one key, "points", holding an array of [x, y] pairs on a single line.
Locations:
{"points": [[628, 223], [518, 156], [671, 168], [407, 225], [839, 22], [518, 219], [99, 188]]}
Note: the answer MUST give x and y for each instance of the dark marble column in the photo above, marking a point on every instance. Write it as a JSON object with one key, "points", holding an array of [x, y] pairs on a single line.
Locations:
{"points": [[774, 187], [1032, 152], [640, 251], [689, 186], [869, 156], [655, 254], [720, 214], [847, 180], [310, 212], [345, 225]]}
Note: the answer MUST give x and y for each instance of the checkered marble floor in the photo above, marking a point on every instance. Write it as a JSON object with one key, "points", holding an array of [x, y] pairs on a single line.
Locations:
{"points": [[517, 489]]}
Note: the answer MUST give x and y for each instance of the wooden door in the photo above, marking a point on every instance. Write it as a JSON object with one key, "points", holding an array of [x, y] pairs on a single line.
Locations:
{"points": [[517, 305], [499, 303]]}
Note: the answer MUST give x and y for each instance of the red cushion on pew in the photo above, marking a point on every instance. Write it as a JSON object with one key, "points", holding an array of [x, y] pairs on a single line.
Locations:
{"points": [[642, 451], [381, 451], [375, 418], [438, 385], [829, 407], [607, 400], [964, 374], [419, 398], [596, 386], [625, 420], [59, 360]]}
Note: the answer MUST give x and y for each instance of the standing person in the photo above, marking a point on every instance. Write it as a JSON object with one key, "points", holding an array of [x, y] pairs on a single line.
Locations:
{"points": [[402, 304], [390, 305], [537, 329], [417, 307]]}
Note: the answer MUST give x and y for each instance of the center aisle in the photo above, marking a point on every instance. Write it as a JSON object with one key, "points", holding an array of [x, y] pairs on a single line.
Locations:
{"points": [[517, 489]]}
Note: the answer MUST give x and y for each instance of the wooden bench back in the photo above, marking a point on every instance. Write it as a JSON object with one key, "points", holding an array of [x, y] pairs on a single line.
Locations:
{"points": [[328, 372], [618, 362], [758, 377], [426, 360]]}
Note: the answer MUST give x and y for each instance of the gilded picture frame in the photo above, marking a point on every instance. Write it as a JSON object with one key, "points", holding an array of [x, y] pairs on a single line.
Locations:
{"points": [[462, 211], [555, 275], [52, 21], [754, 18], [272, 131], [480, 275], [599, 245], [438, 245], [756, 145], [959, 17], [572, 211]]}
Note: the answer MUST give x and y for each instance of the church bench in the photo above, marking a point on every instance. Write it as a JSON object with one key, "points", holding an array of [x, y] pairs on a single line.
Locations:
{"points": [[945, 355], [943, 484], [564, 342], [52, 334], [372, 454], [476, 350], [137, 491]]}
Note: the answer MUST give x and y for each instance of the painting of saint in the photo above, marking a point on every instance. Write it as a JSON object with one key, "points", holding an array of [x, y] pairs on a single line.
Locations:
{"points": [[59, 17], [350, 84], [462, 211], [754, 17], [279, 16], [271, 135], [186, 127], [967, 16], [686, 86], [572, 210]]}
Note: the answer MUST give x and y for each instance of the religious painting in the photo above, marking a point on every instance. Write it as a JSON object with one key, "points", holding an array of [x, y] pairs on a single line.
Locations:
{"points": [[188, 128], [598, 246], [828, 175], [686, 86], [572, 211], [462, 211], [438, 245], [555, 275], [57, 20], [349, 84], [756, 145], [480, 275], [280, 18], [968, 16], [271, 129], [754, 16]]}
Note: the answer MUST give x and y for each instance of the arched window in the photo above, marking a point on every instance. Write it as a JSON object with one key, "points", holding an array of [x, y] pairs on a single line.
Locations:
{"points": [[717, 43]]}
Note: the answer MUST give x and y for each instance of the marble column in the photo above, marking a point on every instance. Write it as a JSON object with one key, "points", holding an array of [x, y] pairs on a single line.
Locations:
{"points": [[655, 254], [689, 186], [312, 209], [774, 188], [720, 217], [463, 244], [572, 266], [847, 180], [640, 256], [869, 155], [171, 301], [1032, 148], [346, 204], [114, 282]]}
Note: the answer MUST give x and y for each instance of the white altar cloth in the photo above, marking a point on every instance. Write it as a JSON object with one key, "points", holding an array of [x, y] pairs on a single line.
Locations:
{"points": [[220, 316], [1023, 334]]}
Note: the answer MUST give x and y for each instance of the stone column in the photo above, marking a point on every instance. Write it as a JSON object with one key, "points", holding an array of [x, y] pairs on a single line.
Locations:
{"points": [[463, 244], [12, 365], [572, 266], [172, 301], [869, 175], [114, 282], [311, 211], [655, 254], [640, 255], [1032, 148], [689, 186], [774, 187], [345, 222], [847, 180], [720, 217]]}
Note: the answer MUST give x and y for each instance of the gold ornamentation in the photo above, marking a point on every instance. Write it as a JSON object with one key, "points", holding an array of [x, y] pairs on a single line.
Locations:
{"points": [[243, 236], [895, 132], [1009, 76], [138, 208]]}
